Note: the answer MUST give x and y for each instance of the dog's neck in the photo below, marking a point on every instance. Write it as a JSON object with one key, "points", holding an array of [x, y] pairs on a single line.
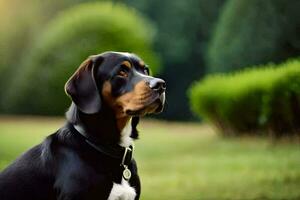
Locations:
{"points": [[126, 140], [102, 126]]}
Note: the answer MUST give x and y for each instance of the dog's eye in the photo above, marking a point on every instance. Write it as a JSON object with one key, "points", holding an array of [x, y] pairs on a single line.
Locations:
{"points": [[123, 72], [146, 71]]}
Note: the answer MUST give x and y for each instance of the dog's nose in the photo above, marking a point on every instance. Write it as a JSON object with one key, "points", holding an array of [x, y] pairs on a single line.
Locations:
{"points": [[158, 85]]}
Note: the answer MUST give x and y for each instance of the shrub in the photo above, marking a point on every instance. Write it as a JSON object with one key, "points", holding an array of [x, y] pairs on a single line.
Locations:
{"points": [[254, 32], [19, 30], [69, 39], [14, 36], [184, 29], [265, 99]]}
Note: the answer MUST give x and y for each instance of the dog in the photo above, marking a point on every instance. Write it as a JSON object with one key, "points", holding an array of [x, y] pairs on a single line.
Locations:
{"points": [[90, 157]]}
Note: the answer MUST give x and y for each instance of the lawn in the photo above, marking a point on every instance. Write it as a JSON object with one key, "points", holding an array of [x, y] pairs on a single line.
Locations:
{"points": [[186, 161]]}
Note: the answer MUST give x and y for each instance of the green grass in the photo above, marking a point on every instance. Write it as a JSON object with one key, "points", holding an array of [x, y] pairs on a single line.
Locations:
{"points": [[186, 161]]}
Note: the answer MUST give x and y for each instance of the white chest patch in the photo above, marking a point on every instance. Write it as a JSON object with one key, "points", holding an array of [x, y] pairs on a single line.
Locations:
{"points": [[122, 191], [126, 140]]}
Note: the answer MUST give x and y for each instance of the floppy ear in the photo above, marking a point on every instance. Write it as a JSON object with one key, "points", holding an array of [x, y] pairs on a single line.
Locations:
{"points": [[82, 87], [134, 131]]}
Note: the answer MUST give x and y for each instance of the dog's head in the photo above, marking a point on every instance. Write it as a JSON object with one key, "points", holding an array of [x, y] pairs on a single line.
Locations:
{"points": [[118, 80]]}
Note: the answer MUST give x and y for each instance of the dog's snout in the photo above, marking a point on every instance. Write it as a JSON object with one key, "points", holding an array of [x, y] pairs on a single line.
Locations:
{"points": [[157, 84]]}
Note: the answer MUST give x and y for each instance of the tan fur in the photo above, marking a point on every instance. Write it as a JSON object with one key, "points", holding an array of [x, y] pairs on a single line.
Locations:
{"points": [[142, 64], [83, 67], [134, 100], [127, 64]]}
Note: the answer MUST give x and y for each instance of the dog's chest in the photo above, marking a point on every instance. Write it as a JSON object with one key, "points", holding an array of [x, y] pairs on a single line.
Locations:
{"points": [[125, 139], [122, 191]]}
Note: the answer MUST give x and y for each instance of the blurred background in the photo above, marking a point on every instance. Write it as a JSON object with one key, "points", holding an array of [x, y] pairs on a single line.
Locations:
{"points": [[231, 126]]}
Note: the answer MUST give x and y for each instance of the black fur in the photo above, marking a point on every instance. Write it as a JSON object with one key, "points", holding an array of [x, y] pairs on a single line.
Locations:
{"points": [[64, 166], [134, 123]]}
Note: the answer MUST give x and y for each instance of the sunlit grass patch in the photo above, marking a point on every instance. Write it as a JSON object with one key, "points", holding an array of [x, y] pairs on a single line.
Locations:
{"points": [[187, 161]]}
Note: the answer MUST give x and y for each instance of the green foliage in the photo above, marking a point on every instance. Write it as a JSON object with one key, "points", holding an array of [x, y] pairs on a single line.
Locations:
{"points": [[184, 28], [19, 28], [266, 98], [68, 40], [15, 27], [254, 32]]}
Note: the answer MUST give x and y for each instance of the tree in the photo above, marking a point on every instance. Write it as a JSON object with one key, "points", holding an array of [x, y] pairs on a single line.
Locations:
{"points": [[254, 32], [69, 39], [183, 29]]}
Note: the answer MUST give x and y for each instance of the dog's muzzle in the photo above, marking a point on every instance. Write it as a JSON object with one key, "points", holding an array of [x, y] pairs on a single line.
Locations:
{"points": [[158, 86]]}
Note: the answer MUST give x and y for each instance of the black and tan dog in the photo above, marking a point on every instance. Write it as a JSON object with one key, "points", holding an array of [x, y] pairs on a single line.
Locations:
{"points": [[91, 156]]}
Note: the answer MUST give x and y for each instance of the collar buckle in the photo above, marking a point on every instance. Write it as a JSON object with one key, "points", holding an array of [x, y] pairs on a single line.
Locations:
{"points": [[127, 156], [116, 152]]}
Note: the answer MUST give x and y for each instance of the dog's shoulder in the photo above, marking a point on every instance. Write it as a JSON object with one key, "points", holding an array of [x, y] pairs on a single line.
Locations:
{"points": [[28, 171]]}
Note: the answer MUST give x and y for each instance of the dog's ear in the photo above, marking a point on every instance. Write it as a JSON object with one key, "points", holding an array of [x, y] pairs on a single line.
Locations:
{"points": [[134, 131], [82, 87]]}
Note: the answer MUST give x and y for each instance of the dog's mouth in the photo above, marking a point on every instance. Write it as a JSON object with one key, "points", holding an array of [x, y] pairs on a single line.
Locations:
{"points": [[155, 104]]}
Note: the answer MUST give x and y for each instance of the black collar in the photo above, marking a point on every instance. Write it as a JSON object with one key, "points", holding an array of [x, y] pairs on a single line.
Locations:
{"points": [[122, 154]]}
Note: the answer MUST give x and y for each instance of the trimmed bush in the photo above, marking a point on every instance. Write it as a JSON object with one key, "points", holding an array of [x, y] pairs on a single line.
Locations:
{"points": [[253, 33], [264, 100], [69, 39]]}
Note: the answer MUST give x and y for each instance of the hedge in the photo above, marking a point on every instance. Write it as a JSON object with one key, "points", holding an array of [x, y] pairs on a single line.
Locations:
{"points": [[69, 39], [262, 100], [253, 33]]}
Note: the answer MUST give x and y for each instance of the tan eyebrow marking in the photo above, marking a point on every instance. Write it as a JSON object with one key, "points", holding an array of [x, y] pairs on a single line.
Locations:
{"points": [[142, 64], [127, 64]]}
